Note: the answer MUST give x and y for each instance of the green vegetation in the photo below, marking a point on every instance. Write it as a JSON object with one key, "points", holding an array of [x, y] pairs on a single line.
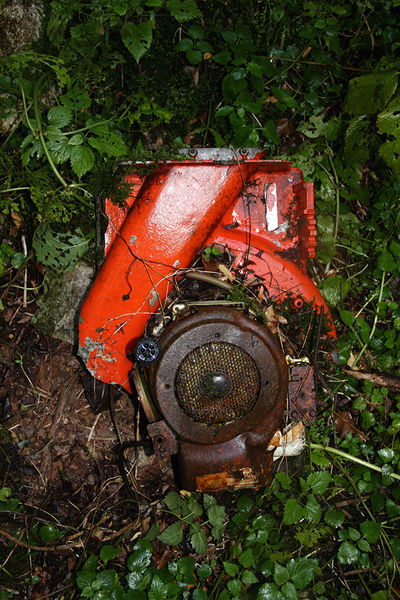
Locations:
{"points": [[312, 82]]}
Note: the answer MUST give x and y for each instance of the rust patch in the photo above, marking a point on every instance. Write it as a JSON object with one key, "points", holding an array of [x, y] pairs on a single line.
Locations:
{"points": [[215, 482]]}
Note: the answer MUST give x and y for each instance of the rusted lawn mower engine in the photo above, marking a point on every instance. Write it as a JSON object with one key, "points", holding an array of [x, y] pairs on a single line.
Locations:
{"points": [[184, 309]]}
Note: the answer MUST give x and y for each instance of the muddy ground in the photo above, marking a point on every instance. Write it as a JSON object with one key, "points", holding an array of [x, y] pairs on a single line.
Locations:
{"points": [[58, 459]]}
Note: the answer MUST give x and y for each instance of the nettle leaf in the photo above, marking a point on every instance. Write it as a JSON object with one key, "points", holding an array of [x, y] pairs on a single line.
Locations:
{"points": [[198, 538], [234, 586], [281, 574], [231, 569], [140, 558], [269, 591], [173, 535], [59, 116], [82, 159], [292, 512], [173, 501], [137, 38], [158, 589], [319, 481], [248, 577], [301, 571], [369, 94], [216, 515], [389, 122], [312, 510], [106, 580], [60, 150], [194, 507], [183, 10]]}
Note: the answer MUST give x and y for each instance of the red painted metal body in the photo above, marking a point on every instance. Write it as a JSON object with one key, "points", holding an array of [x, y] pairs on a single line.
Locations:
{"points": [[262, 210]]}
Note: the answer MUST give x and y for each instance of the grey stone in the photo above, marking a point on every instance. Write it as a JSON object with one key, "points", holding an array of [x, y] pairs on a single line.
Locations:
{"points": [[19, 25], [58, 305]]}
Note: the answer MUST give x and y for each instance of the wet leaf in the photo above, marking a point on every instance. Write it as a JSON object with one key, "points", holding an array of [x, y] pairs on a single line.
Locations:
{"points": [[173, 535], [292, 512], [319, 481], [348, 553], [369, 94]]}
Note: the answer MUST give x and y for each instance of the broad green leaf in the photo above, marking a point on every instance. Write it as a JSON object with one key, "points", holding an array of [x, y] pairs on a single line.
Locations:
{"points": [[245, 504], [82, 159], [281, 574], [108, 553], [60, 150], [231, 568], [234, 586], [199, 594], [216, 515], [75, 140], [184, 45], [198, 538], [248, 577], [371, 530], [183, 10], [284, 96], [347, 317], [269, 591], [289, 591], [194, 56], [194, 507], [173, 501], [105, 580], [394, 248], [84, 578], [223, 57], [204, 571], [312, 510], [292, 512], [356, 144], [318, 481], [223, 111], [49, 533], [388, 122], [386, 454], [137, 38], [158, 589], [173, 535], [196, 32], [335, 289], [395, 547], [369, 94], [348, 553], [301, 571], [59, 116], [246, 559], [334, 518], [386, 262], [140, 559]]}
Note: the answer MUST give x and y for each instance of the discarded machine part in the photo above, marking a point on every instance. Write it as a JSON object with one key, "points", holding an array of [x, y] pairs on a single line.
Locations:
{"points": [[210, 374]]}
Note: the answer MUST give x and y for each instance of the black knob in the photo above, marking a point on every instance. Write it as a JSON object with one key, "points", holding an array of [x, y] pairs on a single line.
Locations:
{"points": [[147, 351], [217, 384]]}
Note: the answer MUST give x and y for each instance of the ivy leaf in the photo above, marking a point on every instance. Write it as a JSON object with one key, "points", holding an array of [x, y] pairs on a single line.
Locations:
{"points": [[183, 10], [369, 94], [348, 553], [82, 159], [137, 38], [293, 512], [301, 571], [198, 538], [59, 116], [319, 481]]}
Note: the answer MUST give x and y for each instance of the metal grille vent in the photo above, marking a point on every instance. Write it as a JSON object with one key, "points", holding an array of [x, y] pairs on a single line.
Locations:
{"points": [[217, 383]]}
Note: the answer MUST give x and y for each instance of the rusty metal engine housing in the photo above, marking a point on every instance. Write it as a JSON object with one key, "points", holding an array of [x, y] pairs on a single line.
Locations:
{"points": [[221, 386]]}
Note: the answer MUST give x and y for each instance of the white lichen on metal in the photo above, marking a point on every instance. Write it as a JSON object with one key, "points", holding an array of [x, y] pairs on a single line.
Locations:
{"points": [[90, 345]]}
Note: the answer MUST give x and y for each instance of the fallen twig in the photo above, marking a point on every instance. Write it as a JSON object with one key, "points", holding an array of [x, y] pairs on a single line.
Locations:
{"points": [[387, 381]]}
